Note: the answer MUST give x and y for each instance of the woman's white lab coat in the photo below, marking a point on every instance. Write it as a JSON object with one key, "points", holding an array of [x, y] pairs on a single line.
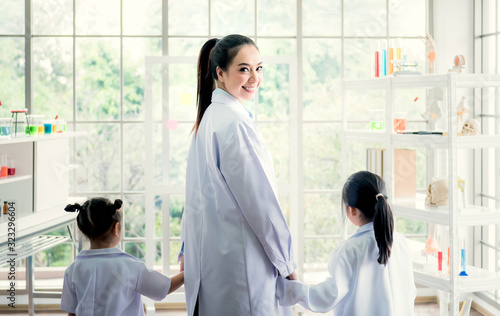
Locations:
{"points": [[358, 285], [235, 236]]}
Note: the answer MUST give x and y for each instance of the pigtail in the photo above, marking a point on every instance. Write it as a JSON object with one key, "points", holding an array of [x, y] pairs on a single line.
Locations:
{"points": [[383, 227], [206, 80], [96, 216], [72, 207]]}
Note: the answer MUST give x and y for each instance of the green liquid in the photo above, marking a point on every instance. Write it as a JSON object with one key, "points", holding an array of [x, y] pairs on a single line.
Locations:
{"points": [[33, 130], [377, 126]]}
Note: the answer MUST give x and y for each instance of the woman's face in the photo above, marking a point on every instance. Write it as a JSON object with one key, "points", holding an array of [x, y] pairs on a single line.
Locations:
{"points": [[243, 75]]}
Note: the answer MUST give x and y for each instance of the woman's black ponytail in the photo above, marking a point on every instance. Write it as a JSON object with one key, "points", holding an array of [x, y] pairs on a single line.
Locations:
{"points": [[366, 192], [96, 216], [206, 81], [215, 53]]}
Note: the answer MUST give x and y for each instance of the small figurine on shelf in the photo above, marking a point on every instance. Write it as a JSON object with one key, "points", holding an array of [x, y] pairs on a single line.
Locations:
{"points": [[431, 51], [433, 112], [471, 127], [459, 64], [437, 193]]}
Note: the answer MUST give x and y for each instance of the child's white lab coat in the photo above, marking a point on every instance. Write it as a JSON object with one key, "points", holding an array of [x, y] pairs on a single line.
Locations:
{"points": [[110, 282], [358, 285], [236, 239]]}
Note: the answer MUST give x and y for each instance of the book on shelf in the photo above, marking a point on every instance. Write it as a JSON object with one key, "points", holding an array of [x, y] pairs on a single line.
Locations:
{"points": [[405, 169]]}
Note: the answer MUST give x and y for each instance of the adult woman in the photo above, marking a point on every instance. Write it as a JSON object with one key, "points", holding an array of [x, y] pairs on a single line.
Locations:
{"points": [[236, 241]]}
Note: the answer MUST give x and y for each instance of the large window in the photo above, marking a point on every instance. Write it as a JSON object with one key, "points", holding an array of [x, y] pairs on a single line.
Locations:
{"points": [[486, 48], [84, 61]]}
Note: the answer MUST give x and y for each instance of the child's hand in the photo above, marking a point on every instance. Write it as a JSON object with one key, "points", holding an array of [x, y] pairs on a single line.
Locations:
{"points": [[182, 263]]}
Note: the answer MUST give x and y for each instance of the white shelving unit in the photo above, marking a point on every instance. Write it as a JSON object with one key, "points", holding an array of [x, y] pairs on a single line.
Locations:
{"points": [[40, 189], [455, 215]]}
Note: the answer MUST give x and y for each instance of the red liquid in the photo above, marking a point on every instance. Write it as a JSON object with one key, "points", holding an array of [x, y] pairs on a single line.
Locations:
{"points": [[3, 171], [377, 65], [11, 171], [399, 125], [440, 261]]}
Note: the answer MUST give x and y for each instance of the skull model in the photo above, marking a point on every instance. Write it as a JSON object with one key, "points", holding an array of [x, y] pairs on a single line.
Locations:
{"points": [[437, 193], [471, 127]]}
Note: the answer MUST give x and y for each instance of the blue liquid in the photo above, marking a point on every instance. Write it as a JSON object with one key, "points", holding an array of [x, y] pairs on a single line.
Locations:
{"points": [[48, 128], [5, 131]]}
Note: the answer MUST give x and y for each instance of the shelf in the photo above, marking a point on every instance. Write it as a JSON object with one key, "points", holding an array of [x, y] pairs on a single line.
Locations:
{"points": [[478, 280], [12, 179], [416, 209], [442, 141], [375, 137], [424, 81], [41, 138]]}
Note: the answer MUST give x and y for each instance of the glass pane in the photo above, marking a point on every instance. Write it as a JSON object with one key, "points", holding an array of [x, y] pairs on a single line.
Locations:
{"points": [[158, 257], [321, 74], [232, 17], [359, 55], [176, 211], [134, 52], [321, 18], [489, 16], [133, 156], [134, 217], [97, 158], [52, 17], [284, 200], [178, 152], [321, 156], [12, 17], [277, 17], [53, 77], [276, 47], [317, 252], [97, 17], [136, 249], [57, 256], [175, 248], [277, 139], [489, 60], [12, 73], [98, 79], [142, 17], [407, 18], [274, 93], [158, 216], [160, 150], [182, 92], [188, 17], [365, 18], [185, 46], [322, 215]]}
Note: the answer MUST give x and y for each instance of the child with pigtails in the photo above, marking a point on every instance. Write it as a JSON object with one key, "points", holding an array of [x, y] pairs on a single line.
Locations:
{"points": [[105, 280]]}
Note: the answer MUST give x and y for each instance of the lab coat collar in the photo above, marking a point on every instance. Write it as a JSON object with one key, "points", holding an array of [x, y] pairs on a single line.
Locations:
{"points": [[99, 252], [364, 228], [221, 96]]}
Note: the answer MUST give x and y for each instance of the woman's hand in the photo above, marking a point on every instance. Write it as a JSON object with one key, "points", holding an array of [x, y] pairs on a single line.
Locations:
{"points": [[182, 263], [292, 276]]}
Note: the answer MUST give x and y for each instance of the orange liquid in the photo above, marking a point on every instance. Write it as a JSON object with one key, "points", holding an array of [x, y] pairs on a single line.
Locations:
{"points": [[40, 129], [4, 171], [399, 125]]}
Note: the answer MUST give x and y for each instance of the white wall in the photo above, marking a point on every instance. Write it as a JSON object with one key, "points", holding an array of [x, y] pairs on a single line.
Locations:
{"points": [[453, 33]]}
